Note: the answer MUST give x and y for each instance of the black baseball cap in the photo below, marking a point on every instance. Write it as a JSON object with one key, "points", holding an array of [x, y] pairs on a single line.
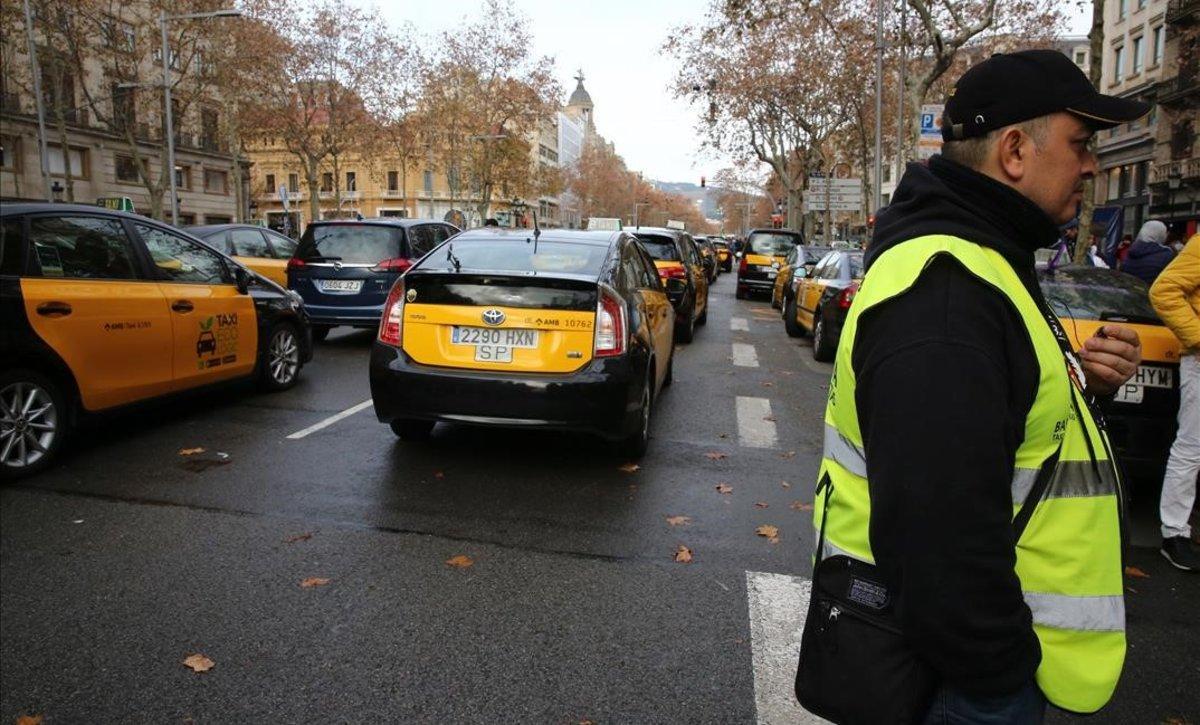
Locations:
{"points": [[1010, 88]]}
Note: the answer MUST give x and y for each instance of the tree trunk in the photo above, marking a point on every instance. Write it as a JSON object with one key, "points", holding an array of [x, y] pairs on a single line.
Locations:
{"points": [[310, 180], [1083, 240], [60, 124]]}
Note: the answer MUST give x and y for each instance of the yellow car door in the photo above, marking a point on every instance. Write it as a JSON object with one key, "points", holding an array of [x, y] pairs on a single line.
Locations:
{"points": [[814, 288], [699, 278], [214, 326], [88, 299], [250, 248], [642, 276]]}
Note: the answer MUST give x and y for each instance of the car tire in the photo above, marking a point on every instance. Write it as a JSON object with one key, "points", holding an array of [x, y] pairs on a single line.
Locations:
{"points": [[686, 332], [740, 293], [320, 332], [790, 325], [670, 376], [279, 368], [823, 349], [412, 429], [634, 446], [703, 318], [42, 403]]}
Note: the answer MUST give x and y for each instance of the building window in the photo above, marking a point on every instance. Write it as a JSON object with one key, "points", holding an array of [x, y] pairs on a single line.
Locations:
{"points": [[216, 181], [8, 152], [271, 183], [351, 181], [1143, 177], [126, 168], [294, 183], [1081, 58], [326, 182], [1122, 9], [1141, 4], [428, 182], [124, 113], [1114, 183], [1119, 64], [1126, 181], [78, 160], [1158, 46], [1137, 56], [183, 177], [393, 181], [210, 128]]}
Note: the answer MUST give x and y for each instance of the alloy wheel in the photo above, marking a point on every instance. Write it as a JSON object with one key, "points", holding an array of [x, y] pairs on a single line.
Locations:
{"points": [[284, 356], [29, 424]]}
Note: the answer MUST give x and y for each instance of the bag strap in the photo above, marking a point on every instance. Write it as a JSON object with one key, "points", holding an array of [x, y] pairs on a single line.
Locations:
{"points": [[827, 483], [1040, 484]]}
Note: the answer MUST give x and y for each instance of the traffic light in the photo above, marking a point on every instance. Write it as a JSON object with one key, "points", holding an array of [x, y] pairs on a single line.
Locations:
{"points": [[702, 182], [871, 220]]}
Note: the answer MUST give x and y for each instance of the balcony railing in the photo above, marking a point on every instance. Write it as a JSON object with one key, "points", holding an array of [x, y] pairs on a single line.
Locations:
{"points": [[1177, 10], [392, 194], [1184, 169], [1179, 88]]}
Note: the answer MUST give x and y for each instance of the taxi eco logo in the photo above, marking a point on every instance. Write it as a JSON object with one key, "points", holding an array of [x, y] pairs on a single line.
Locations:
{"points": [[217, 342]]}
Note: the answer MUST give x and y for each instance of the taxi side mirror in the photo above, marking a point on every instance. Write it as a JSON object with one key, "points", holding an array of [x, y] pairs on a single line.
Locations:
{"points": [[674, 284], [242, 278]]}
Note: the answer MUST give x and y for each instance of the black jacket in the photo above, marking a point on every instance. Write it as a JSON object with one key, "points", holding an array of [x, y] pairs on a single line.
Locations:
{"points": [[1147, 260], [946, 375]]}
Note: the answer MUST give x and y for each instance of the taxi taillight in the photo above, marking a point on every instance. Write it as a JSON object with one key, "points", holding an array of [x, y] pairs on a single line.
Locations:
{"points": [[743, 266], [390, 325], [610, 324], [295, 263], [399, 264], [846, 296], [672, 273]]}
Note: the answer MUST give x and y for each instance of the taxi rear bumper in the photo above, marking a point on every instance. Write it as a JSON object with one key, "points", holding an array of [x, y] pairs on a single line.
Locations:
{"points": [[602, 398]]}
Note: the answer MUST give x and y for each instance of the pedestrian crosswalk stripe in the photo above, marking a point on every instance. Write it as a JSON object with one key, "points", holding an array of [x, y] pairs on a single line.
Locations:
{"points": [[744, 356], [739, 324], [777, 606], [756, 425]]}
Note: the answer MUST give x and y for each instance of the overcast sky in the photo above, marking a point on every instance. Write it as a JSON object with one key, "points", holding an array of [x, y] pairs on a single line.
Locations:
{"points": [[617, 43]]}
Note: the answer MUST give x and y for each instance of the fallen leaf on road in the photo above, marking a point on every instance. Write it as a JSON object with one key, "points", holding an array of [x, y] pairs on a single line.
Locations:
{"points": [[200, 464], [679, 520], [460, 561], [29, 720], [439, 475], [788, 454], [771, 533], [1131, 590], [761, 505], [628, 468], [768, 384], [1175, 721], [724, 488], [683, 555], [298, 537], [715, 456], [801, 506], [190, 451], [1136, 573], [785, 484], [314, 581], [769, 418], [198, 663], [722, 435]]}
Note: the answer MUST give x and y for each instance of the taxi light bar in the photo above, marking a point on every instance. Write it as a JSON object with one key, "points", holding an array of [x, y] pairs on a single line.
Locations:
{"points": [[391, 324], [846, 296], [610, 325], [399, 264]]}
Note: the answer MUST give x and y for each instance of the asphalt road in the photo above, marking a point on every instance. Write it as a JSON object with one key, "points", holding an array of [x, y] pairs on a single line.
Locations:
{"points": [[128, 557]]}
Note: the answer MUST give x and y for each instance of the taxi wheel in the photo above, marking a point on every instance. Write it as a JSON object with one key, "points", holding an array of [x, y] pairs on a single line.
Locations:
{"points": [[33, 422], [822, 350], [740, 294], [281, 359], [686, 332], [790, 325], [670, 376], [320, 332], [636, 444], [410, 429], [703, 318]]}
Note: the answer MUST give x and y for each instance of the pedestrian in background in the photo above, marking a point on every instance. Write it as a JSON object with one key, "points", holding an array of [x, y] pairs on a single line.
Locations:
{"points": [[1123, 249], [1149, 254], [1176, 297], [956, 400]]}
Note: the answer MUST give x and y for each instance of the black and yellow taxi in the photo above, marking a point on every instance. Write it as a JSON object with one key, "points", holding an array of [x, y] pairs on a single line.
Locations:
{"points": [[822, 299], [263, 250], [1142, 414], [724, 254], [677, 259], [762, 256], [567, 330], [102, 309]]}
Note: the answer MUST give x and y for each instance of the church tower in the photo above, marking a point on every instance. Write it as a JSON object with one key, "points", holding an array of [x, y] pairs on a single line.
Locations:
{"points": [[580, 105]]}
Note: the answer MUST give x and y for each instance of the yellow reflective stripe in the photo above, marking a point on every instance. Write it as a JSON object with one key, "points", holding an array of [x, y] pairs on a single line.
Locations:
{"points": [[1063, 611], [848, 456], [832, 549]]}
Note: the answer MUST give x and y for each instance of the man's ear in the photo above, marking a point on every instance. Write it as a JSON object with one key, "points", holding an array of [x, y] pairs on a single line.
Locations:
{"points": [[1013, 153]]}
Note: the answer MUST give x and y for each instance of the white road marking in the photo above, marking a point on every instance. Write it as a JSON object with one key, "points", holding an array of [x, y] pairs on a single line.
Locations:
{"points": [[330, 420], [744, 355], [739, 324], [755, 429], [778, 606]]}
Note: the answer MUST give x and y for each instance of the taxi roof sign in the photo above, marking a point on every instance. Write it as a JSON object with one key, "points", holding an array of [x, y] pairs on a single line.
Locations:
{"points": [[118, 203]]}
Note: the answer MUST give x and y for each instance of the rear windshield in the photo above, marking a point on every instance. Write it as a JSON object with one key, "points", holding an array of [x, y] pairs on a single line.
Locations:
{"points": [[856, 266], [720, 245], [350, 243], [772, 244], [812, 255], [661, 248], [1087, 295], [517, 255]]}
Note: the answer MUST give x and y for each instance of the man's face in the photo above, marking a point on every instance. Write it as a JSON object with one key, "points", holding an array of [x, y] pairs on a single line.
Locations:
{"points": [[1057, 167]]}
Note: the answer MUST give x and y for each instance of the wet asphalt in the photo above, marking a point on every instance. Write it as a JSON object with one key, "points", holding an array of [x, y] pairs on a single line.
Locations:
{"points": [[128, 557]]}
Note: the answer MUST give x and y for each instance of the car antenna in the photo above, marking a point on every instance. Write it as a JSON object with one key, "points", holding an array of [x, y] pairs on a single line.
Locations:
{"points": [[453, 259], [537, 232]]}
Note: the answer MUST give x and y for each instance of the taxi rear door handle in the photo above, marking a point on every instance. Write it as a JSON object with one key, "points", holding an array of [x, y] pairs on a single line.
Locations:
{"points": [[54, 309], [182, 306]]}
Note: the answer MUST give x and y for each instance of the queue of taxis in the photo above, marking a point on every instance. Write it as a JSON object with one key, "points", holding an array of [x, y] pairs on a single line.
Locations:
{"points": [[568, 330], [1142, 415], [101, 309], [821, 300], [762, 256], [677, 259]]}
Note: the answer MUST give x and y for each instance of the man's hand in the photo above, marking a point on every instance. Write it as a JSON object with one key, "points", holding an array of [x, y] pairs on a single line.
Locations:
{"points": [[1110, 358]]}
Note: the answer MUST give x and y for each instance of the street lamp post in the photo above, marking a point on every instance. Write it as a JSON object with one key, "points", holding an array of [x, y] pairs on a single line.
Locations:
{"points": [[39, 104], [163, 19], [636, 206]]}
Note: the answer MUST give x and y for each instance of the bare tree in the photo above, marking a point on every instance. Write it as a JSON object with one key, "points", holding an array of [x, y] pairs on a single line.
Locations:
{"points": [[1083, 240]]}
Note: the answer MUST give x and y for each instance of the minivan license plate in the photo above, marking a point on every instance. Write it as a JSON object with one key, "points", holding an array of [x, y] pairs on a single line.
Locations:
{"points": [[341, 285]]}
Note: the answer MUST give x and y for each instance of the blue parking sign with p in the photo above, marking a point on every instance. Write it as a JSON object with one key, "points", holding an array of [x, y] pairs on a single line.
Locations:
{"points": [[927, 123]]}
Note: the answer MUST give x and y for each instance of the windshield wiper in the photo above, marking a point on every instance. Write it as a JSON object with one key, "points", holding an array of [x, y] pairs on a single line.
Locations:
{"points": [[319, 258], [453, 259]]}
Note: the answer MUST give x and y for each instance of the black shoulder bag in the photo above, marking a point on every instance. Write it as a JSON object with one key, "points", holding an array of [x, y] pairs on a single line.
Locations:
{"points": [[855, 666]]}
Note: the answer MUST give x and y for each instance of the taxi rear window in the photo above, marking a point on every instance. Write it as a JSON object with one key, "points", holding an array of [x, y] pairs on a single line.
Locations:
{"points": [[772, 244], [350, 243], [662, 249], [1107, 295], [517, 255]]}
